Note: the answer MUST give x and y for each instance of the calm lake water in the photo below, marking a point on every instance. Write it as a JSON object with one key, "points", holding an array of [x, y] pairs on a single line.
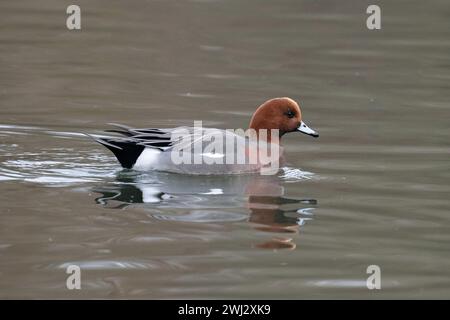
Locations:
{"points": [[372, 190]]}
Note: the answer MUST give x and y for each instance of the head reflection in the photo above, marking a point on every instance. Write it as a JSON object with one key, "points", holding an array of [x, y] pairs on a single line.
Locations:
{"points": [[263, 196]]}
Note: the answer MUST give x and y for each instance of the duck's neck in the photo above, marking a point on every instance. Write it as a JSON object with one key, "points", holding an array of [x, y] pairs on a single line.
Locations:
{"points": [[267, 135]]}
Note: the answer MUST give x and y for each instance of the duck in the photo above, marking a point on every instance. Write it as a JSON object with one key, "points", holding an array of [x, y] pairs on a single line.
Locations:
{"points": [[171, 149]]}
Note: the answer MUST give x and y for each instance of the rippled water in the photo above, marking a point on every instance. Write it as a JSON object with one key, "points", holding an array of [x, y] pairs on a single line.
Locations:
{"points": [[373, 189]]}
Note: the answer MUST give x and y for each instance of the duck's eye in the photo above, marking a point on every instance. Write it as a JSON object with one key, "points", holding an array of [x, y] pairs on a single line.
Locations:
{"points": [[290, 114]]}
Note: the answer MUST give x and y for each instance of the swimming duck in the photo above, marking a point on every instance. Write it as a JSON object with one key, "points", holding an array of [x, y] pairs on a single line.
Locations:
{"points": [[157, 148]]}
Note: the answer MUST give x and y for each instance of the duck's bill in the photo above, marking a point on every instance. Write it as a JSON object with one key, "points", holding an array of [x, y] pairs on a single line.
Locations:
{"points": [[303, 128]]}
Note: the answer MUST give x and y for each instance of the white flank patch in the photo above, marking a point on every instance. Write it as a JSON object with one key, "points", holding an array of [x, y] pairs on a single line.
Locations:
{"points": [[213, 155], [147, 159]]}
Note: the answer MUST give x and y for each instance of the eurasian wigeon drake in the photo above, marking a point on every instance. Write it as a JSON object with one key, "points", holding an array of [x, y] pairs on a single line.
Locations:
{"points": [[156, 148]]}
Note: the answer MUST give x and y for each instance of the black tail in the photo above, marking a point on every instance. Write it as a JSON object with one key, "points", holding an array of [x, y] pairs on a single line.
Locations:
{"points": [[126, 150]]}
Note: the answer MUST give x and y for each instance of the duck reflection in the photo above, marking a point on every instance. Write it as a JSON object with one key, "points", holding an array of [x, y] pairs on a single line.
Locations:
{"points": [[232, 198]]}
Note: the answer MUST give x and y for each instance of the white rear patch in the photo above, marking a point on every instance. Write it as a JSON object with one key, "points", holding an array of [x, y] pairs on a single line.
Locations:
{"points": [[147, 159]]}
